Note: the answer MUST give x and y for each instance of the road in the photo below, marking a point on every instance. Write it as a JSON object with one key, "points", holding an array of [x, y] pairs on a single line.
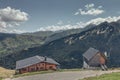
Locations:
{"points": [[69, 75]]}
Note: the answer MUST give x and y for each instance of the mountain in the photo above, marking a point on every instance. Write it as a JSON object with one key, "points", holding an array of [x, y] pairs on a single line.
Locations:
{"points": [[40, 33], [62, 34], [68, 50], [10, 43]]}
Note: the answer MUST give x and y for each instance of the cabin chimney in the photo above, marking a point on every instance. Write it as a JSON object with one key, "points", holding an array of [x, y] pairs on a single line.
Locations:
{"points": [[45, 58]]}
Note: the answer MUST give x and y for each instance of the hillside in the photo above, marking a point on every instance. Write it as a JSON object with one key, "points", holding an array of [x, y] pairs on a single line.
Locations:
{"points": [[68, 50], [10, 43], [40, 33], [62, 34], [5, 73]]}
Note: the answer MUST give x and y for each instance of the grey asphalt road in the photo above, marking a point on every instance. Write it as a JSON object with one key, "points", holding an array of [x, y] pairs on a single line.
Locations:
{"points": [[69, 75]]}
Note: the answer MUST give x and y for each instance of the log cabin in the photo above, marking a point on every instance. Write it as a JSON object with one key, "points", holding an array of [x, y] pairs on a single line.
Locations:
{"points": [[94, 59], [36, 63]]}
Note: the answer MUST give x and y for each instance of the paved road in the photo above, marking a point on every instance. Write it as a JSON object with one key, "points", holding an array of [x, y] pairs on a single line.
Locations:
{"points": [[70, 75]]}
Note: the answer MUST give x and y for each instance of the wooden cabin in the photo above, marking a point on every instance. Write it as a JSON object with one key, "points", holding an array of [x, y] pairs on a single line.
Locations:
{"points": [[93, 59], [36, 63]]}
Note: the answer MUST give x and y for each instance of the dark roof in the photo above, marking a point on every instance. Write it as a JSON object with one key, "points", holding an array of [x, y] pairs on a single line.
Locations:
{"points": [[33, 60], [90, 53], [50, 60]]}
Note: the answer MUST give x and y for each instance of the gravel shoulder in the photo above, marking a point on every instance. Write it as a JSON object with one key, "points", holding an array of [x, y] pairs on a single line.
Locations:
{"points": [[68, 75]]}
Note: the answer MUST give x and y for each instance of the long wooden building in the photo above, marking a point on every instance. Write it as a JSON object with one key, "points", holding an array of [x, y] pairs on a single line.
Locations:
{"points": [[36, 63]]}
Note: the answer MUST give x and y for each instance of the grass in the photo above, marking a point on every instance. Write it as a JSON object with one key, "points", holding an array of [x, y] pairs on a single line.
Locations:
{"points": [[5, 73], [112, 76]]}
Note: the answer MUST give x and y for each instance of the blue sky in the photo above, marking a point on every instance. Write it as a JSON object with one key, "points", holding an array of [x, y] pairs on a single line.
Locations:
{"points": [[44, 15]]}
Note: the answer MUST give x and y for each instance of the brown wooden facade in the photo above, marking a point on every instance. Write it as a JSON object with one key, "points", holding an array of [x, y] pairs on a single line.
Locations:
{"points": [[38, 67], [102, 59], [98, 59]]}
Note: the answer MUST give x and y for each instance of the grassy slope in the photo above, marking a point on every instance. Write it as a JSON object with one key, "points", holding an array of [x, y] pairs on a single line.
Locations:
{"points": [[5, 73], [10, 43], [112, 76]]}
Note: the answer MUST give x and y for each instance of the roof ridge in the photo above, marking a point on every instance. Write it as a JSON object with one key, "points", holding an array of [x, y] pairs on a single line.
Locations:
{"points": [[39, 57]]}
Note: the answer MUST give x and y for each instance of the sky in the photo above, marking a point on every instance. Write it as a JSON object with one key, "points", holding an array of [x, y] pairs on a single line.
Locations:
{"points": [[18, 16]]}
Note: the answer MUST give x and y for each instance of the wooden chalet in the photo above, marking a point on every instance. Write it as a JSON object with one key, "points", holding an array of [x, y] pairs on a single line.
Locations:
{"points": [[93, 59], [36, 63]]}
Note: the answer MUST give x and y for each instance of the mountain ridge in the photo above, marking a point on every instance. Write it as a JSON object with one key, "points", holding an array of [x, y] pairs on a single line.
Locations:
{"points": [[69, 49]]}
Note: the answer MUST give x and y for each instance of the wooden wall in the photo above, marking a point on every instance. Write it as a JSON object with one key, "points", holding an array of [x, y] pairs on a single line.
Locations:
{"points": [[97, 60], [38, 67]]}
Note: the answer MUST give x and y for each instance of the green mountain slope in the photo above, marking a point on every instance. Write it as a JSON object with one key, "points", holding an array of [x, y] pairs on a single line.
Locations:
{"points": [[68, 50], [10, 43]]}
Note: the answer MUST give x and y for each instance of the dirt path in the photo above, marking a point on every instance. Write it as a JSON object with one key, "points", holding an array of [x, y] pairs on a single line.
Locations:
{"points": [[70, 75]]}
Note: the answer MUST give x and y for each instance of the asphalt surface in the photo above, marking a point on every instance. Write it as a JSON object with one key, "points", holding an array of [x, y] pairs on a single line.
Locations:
{"points": [[69, 75]]}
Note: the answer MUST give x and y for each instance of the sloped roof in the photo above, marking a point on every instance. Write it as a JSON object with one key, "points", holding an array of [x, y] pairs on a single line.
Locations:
{"points": [[50, 60], [90, 53], [33, 60]]}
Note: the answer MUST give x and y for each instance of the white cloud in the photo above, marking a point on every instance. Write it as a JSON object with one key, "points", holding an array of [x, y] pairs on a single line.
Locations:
{"points": [[89, 5], [96, 21], [12, 31], [76, 13], [100, 7], [10, 17], [61, 27], [90, 10], [17, 31], [57, 28]]}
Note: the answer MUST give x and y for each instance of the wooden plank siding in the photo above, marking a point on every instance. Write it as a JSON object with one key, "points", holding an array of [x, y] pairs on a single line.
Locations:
{"points": [[38, 67], [97, 60]]}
